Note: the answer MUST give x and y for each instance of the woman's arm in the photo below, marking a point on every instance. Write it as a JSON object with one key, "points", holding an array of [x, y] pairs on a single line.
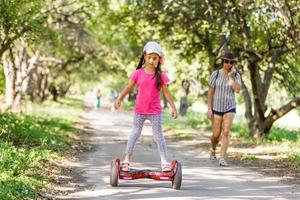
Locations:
{"points": [[210, 94], [234, 85], [124, 92], [170, 100]]}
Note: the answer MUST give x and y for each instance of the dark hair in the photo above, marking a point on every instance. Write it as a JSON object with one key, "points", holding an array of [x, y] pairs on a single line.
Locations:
{"points": [[157, 71]]}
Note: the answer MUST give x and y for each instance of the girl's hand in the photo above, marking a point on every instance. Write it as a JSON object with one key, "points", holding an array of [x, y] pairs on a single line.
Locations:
{"points": [[174, 114], [210, 114], [117, 104]]}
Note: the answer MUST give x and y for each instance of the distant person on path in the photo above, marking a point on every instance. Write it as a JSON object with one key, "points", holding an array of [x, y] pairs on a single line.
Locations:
{"points": [[98, 99], [113, 95], [150, 80], [112, 98], [223, 83]]}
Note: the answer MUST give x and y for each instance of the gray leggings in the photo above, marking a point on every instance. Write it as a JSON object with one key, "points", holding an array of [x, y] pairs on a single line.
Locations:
{"points": [[138, 123]]}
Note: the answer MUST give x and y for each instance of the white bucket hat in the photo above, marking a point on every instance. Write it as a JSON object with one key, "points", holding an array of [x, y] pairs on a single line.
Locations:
{"points": [[153, 47]]}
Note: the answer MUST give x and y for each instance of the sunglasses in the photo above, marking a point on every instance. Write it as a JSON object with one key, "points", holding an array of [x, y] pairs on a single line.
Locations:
{"points": [[229, 61]]}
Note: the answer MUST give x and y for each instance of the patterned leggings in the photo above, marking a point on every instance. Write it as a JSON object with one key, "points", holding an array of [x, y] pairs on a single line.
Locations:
{"points": [[138, 123]]}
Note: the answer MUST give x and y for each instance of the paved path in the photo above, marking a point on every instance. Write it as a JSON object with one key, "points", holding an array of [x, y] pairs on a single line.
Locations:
{"points": [[202, 178]]}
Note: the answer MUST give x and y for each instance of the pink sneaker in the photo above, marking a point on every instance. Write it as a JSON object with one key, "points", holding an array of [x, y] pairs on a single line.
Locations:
{"points": [[125, 166], [166, 167]]}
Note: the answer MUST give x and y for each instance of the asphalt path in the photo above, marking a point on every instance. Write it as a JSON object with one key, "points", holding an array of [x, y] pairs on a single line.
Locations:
{"points": [[202, 178]]}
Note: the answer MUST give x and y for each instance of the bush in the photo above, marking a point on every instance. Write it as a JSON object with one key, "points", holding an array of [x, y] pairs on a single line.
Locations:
{"points": [[278, 134]]}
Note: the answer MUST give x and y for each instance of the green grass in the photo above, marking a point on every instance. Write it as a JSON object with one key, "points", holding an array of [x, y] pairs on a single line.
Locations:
{"points": [[294, 157], [128, 105], [283, 143], [281, 135], [68, 108], [29, 130], [251, 158], [191, 120], [27, 143], [240, 134], [184, 135], [22, 175]]}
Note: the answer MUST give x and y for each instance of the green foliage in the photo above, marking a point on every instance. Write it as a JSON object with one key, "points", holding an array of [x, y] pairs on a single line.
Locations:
{"points": [[191, 120], [29, 141], [276, 136], [34, 131], [21, 170], [22, 19], [72, 105], [110, 82], [294, 157], [281, 135], [241, 129], [197, 120], [288, 73], [128, 105], [251, 158], [184, 135]]}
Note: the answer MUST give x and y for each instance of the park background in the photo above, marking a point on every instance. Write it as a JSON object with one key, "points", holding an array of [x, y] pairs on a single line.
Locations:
{"points": [[53, 53]]}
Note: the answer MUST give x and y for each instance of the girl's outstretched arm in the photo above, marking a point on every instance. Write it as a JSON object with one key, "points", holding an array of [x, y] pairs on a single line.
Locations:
{"points": [[123, 93], [170, 100]]}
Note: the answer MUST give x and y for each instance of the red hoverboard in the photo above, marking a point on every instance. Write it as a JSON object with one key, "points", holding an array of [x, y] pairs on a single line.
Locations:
{"points": [[175, 175]]}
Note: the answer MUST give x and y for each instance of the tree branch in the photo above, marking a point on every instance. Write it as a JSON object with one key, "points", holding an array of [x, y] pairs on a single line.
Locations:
{"points": [[280, 112]]}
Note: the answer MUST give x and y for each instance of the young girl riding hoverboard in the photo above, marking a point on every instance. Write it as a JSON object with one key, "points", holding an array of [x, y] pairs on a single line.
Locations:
{"points": [[150, 80]]}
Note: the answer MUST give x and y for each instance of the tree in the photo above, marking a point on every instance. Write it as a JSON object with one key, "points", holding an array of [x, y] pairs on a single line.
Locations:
{"points": [[40, 59], [19, 21], [255, 31]]}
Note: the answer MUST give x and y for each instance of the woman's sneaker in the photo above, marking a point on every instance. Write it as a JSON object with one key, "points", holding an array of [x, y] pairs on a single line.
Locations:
{"points": [[223, 162], [213, 155]]}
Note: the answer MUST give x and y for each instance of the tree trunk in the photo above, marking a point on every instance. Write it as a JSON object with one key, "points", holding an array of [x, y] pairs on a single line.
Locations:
{"points": [[53, 92], [183, 106], [37, 84], [185, 85], [17, 67], [45, 93], [248, 109], [10, 81], [64, 88]]}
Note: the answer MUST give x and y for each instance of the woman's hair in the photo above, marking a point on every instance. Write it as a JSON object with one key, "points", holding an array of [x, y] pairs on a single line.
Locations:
{"points": [[157, 71]]}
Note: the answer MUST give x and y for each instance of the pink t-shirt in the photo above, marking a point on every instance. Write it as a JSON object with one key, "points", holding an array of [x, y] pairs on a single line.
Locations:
{"points": [[148, 96]]}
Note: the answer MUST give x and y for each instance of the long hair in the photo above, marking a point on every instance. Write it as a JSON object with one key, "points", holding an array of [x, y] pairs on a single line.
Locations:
{"points": [[157, 71]]}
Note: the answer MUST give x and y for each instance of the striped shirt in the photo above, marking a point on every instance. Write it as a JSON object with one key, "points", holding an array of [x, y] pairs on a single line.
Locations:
{"points": [[223, 98]]}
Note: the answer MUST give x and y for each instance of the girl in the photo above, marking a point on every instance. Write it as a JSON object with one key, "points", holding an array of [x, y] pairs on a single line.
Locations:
{"points": [[223, 83], [150, 80]]}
